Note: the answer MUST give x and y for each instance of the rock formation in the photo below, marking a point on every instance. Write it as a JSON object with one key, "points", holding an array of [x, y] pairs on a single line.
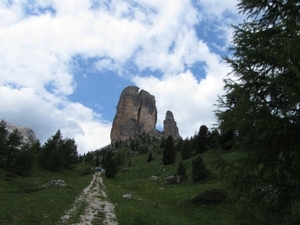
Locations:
{"points": [[136, 113], [170, 126], [27, 133]]}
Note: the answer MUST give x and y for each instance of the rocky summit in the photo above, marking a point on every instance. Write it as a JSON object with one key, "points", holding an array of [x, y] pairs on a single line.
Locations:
{"points": [[136, 114], [170, 126], [26, 133]]}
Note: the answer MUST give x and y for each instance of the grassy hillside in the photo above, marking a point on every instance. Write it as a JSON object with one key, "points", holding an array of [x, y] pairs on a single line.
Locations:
{"points": [[153, 202], [23, 201]]}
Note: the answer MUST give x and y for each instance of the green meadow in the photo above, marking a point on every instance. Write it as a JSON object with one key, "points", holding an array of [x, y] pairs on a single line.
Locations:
{"points": [[24, 200], [154, 202]]}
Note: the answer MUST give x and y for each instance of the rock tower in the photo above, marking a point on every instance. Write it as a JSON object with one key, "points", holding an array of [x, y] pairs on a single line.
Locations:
{"points": [[170, 126], [136, 113]]}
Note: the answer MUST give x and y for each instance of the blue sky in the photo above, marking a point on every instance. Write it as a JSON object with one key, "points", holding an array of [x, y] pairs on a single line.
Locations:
{"points": [[63, 64]]}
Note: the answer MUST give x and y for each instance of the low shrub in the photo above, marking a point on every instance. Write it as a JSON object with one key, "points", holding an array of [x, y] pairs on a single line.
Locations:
{"points": [[84, 169], [210, 197]]}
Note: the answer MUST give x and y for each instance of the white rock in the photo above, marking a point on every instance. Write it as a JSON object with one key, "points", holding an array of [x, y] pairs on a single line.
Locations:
{"points": [[128, 196], [154, 177]]}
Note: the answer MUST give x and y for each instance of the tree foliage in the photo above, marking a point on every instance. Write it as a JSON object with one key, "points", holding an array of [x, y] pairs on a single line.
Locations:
{"points": [[110, 164], [262, 109], [202, 139], [58, 153], [19, 155], [186, 149], [13, 145], [111, 169], [23, 161], [3, 142], [169, 152], [150, 158], [199, 170], [16, 154], [181, 170]]}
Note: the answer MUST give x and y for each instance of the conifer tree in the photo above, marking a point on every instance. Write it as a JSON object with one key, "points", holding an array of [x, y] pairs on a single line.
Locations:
{"points": [[186, 150], [111, 168], [261, 107], [68, 152], [169, 152], [23, 161], [199, 170], [202, 139], [150, 158], [3, 142], [14, 141], [178, 145], [181, 170]]}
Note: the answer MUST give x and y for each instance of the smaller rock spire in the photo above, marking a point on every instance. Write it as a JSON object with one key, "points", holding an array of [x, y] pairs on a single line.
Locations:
{"points": [[170, 126]]}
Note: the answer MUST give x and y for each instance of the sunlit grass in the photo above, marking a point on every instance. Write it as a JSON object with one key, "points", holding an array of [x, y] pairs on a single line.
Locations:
{"points": [[25, 201], [153, 202]]}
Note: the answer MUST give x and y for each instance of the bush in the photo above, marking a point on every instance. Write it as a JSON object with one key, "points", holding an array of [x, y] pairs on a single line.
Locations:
{"points": [[210, 197], [84, 169]]}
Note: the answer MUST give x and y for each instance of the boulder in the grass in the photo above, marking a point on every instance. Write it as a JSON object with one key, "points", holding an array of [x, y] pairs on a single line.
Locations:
{"points": [[55, 183]]}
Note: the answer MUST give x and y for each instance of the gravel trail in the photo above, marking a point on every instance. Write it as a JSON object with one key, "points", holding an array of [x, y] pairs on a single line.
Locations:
{"points": [[97, 209]]}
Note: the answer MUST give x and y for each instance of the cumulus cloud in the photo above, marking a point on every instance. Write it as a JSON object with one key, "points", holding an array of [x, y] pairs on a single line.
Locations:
{"points": [[40, 38], [26, 107], [191, 100]]}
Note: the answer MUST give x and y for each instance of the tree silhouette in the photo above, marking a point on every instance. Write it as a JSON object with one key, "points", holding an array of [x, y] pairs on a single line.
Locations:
{"points": [[169, 152]]}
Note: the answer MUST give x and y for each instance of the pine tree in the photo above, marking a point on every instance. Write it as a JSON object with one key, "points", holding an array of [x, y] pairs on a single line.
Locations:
{"points": [[150, 158], [23, 161], [169, 152], [49, 156], [181, 170], [14, 141], [68, 152], [261, 107], [199, 170], [202, 139], [3, 142], [111, 168], [186, 150], [178, 145]]}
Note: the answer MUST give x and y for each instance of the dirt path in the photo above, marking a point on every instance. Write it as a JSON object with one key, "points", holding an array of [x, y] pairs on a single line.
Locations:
{"points": [[96, 207]]}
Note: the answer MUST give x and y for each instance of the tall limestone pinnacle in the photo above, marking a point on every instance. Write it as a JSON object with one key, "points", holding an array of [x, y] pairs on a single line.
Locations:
{"points": [[170, 126], [136, 114]]}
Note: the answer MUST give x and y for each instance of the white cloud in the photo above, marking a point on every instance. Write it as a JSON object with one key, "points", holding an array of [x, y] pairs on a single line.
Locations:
{"points": [[37, 48], [191, 101], [26, 108]]}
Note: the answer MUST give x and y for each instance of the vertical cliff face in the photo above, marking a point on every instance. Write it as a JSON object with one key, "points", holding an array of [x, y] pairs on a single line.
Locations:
{"points": [[170, 126], [136, 113]]}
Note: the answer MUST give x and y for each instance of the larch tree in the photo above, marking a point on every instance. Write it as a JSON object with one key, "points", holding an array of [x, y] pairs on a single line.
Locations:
{"points": [[261, 106]]}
